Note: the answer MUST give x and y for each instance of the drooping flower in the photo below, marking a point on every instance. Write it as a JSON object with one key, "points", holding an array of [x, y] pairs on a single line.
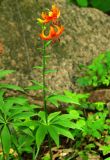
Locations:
{"points": [[53, 34], [53, 14]]}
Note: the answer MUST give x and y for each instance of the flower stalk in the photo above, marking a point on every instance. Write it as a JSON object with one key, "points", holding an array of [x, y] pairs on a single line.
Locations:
{"points": [[44, 82], [55, 31], [44, 95]]}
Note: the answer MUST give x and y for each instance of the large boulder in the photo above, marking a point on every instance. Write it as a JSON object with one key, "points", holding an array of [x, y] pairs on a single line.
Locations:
{"points": [[87, 34]]}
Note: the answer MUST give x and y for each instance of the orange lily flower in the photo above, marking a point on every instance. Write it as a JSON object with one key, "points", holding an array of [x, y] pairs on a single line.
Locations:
{"points": [[53, 14], [53, 35]]}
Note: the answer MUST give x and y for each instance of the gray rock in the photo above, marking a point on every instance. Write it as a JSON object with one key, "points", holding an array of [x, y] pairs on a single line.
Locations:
{"points": [[87, 34]]}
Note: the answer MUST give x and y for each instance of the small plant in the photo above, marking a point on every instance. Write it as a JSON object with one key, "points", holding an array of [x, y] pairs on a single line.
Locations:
{"points": [[97, 73], [54, 124], [13, 111]]}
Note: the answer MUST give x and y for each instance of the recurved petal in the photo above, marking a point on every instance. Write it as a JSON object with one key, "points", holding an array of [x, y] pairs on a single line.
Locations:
{"points": [[56, 11], [60, 29], [52, 31], [44, 37], [44, 15], [50, 14]]}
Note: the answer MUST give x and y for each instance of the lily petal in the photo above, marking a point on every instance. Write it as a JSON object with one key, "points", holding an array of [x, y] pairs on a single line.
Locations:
{"points": [[52, 33], [53, 14]]}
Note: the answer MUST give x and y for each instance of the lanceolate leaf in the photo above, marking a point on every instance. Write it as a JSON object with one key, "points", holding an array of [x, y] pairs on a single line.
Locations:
{"points": [[53, 115], [29, 124], [1, 119], [53, 134], [24, 115], [75, 114], [34, 87], [48, 43], [1, 99], [42, 115], [62, 98], [107, 158], [38, 67], [105, 149], [36, 82], [17, 100], [11, 86], [62, 131], [50, 71], [64, 117], [40, 135], [1, 95], [11, 101], [6, 139], [66, 124]]}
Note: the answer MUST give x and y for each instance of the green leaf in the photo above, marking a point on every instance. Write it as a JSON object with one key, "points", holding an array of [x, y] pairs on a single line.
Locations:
{"points": [[76, 96], [40, 135], [62, 98], [1, 119], [48, 43], [106, 82], [24, 115], [42, 115], [17, 100], [53, 115], [6, 139], [3, 73], [82, 3], [63, 117], [37, 86], [53, 134], [52, 101], [38, 67], [107, 158], [83, 155], [1, 99], [79, 124], [75, 114], [63, 131], [5, 107], [101, 4], [107, 139], [84, 81], [28, 132], [90, 146], [11, 86], [36, 82], [46, 157], [66, 123], [50, 71], [105, 149], [99, 106], [1, 95], [34, 87], [30, 124]]}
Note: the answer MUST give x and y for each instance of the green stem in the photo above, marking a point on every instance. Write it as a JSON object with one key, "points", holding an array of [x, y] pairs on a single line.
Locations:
{"points": [[44, 83], [44, 96], [35, 156], [3, 150], [50, 146]]}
